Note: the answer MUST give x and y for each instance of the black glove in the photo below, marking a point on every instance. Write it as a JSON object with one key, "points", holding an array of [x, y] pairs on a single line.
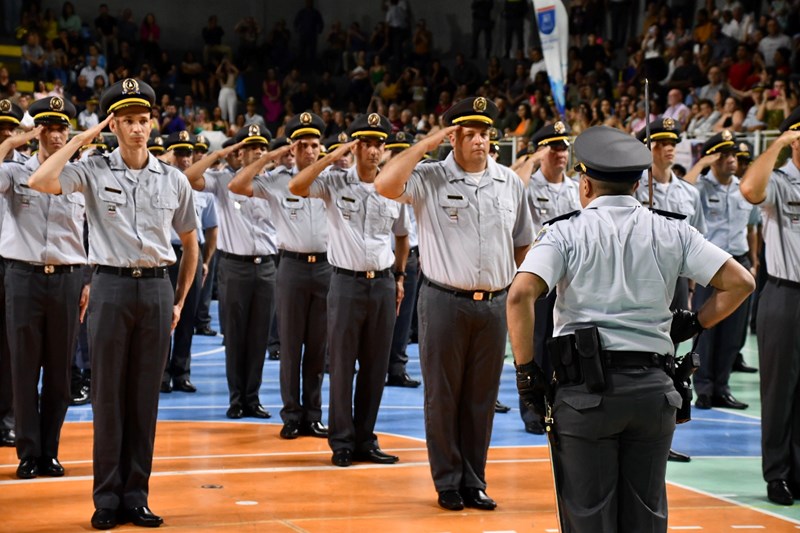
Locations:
{"points": [[533, 387], [684, 325]]}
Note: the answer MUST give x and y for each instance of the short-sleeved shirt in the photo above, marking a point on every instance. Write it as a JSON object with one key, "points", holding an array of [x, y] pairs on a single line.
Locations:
{"points": [[780, 213], [360, 221], [16, 157], [675, 196], [246, 226], [205, 211], [616, 265], [300, 222], [39, 228], [131, 212], [468, 232], [549, 200], [727, 213]]}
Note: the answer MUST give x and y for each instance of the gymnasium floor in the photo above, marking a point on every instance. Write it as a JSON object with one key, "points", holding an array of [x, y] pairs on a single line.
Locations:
{"points": [[215, 474]]}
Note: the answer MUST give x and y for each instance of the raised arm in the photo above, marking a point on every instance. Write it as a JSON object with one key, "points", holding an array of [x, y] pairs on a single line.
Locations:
{"points": [[242, 183], [15, 141], [704, 162], [196, 171], [524, 291], [300, 184], [733, 283], [755, 179]]}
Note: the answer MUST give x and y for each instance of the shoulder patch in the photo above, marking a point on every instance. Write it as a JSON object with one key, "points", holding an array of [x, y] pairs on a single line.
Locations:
{"points": [[565, 216], [668, 214]]}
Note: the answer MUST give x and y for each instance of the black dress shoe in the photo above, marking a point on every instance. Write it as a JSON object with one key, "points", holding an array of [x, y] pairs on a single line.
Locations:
{"points": [[451, 500], [501, 407], [290, 430], [728, 401], [206, 331], [49, 466], [740, 366], [28, 468], [477, 499], [703, 401], [274, 355], [375, 455], [314, 429], [8, 438], [104, 518], [678, 457], [166, 386], [142, 517], [778, 492], [402, 380], [183, 385], [343, 457], [534, 427], [257, 411], [80, 396], [235, 411]]}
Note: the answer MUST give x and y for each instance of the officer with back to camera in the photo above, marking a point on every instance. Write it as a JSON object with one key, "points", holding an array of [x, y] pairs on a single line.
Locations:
{"points": [[615, 264]]}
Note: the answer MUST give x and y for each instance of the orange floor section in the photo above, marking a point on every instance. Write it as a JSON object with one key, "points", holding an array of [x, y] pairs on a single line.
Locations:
{"points": [[242, 477]]}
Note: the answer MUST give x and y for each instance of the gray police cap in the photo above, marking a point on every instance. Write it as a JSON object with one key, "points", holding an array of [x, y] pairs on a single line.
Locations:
{"points": [[609, 154]]}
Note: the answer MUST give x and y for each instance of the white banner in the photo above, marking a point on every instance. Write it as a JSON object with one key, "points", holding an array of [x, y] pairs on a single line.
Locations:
{"points": [[553, 24]]}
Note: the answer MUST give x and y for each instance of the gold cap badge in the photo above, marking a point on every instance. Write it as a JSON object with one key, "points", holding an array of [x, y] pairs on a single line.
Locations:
{"points": [[373, 119], [130, 86], [479, 104]]}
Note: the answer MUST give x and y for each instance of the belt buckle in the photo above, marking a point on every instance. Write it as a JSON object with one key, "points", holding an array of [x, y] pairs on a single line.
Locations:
{"points": [[49, 269], [136, 272], [312, 258], [370, 274], [478, 296], [257, 260]]}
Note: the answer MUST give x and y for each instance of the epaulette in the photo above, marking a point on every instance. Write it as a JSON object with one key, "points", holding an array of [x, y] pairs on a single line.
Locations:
{"points": [[565, 216], [7, 161], [668, 214]]}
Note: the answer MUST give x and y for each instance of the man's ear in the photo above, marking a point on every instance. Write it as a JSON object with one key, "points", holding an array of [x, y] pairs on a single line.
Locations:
{"points": [[636, 186]]}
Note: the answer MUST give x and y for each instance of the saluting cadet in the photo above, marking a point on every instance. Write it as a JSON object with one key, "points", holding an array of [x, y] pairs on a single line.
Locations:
{"points": [[155, 145], [730, 222], [474, 228], [42, 242], [303, 274], [202, 322], [365, 292], [10, 116], [777, 193], [247, 250], [180, 145], [611, 456], [132, 201], [332, 143]]}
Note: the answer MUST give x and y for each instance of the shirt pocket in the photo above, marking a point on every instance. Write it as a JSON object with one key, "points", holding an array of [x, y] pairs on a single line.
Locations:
{"points": [[164, 205], [24, 196], [389, 212], [77, 203], [293, 207], [453, 206], [349, 208], [505, 209], [791, 211], [112, 200]]}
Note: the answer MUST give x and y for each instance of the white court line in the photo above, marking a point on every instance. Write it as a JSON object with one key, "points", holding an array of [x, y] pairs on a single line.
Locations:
{"points": [[747, 527], [685, 528], [744, 422], [218, 349]]}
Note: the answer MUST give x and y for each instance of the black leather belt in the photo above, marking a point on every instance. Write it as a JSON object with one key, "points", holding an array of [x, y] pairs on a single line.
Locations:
{"points": [[368, 274], [43, 269], [414, 250], [624, 359], [780, 282], [135, 272], [255, 259], [741, 258], [306, 258], [478, 296]]}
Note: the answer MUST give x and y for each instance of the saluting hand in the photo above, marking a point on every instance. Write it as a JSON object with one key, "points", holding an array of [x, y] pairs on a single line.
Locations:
{"points": [[433, 140], [86, 137], [707, 161], [21, 139], [788, 137]]}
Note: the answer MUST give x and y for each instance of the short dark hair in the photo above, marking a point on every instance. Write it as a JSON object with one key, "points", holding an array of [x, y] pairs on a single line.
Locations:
{"points": [[610, 188]]}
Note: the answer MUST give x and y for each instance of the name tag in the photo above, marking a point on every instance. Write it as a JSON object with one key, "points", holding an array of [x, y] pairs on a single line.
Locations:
{"points": [[115, 191], [713, 200], [454, 197], [542, 200]]}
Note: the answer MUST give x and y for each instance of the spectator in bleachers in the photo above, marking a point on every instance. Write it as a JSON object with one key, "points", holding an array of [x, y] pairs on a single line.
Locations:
{"points": [[80, 92], [722, 46], [422, 42], [308, 24], [213, 49], [715, 84], [251, 116], [677, 110], [171, 121], [771, 42], [49, 25], [777, 105], [703, 120], [70, 21], [514, 14], [149, 37], [398, 25], [88, 117], [128, 30], [731, 116], [248, 31], [5, 82], [92, 70], [105, 27], [226, 73], [702, 27], [679, 35], [32, 57]]}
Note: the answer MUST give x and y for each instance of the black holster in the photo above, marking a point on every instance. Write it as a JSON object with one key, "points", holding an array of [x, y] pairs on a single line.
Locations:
{"points": [[576, 359], [681, 379]]}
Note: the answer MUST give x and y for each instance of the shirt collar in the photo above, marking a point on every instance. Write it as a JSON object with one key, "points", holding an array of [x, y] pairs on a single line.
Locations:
{"points": [[617, 200], [115, 162], [456, 173]]}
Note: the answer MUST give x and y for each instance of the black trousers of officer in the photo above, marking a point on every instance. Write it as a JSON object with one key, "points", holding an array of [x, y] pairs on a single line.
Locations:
{"points": [[779, 364], [203, 316], [42, 313], [611, 461], [719, 345], [361, 314], [6, 397], [247, 296], [180, 358], [398, 359], [302, 291], [542, 331], [462, 345], [129, 329]]}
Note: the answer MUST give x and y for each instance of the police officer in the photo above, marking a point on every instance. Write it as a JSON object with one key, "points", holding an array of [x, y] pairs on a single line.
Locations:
{"points": [[180, 147], [777, 193], [132, 201], [611, 456], [365, 292], [731, 223], [155, 145], [474, 228], [247, 250], [303, 273], [332, 143], [202, 321], [42, 242]]}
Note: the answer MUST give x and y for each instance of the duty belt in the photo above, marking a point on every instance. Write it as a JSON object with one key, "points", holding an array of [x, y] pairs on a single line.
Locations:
{"points": [[306, 258], [133, 272], [627, 359], [780, 282], [478, 296], [255, 259], [42, 269], [368, 274]]}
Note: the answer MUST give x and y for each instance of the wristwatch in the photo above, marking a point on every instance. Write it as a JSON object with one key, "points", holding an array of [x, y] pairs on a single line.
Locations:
{"points": [[399, 274]]}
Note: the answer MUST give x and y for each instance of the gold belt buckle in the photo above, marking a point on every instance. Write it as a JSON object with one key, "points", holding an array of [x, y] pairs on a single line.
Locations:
{"points": [[49, 269], [312, 258], [478, 296], [370, 274], [136, 272]]}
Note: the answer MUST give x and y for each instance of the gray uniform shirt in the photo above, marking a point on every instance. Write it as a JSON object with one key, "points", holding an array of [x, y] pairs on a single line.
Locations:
{"points": [[246, 227], [547, 201], [16, 157], [467, 232], [615, 265], [130, 213], [300, 222], [205, 211], [727, 213], [781, 217], [677, 196], [39, 228], [360, 221]]}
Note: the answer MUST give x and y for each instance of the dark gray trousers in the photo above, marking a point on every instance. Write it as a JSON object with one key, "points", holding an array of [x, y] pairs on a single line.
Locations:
{"points": [[462, 345], [203, 316], [42, 324], [6, 397], [247, 297], [180, 357], [779, 364], [302, 293], [361, 315], [129, 329], [398, 359], [542, 332], [611, 461]]}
